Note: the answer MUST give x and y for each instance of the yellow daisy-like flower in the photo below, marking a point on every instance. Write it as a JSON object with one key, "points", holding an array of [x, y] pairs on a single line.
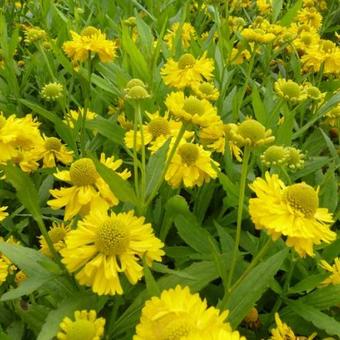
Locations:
{"points": [[250, 133], [310, 17], [291, 211], [6, 266], [258, 35], [215, 136], [105, 245], [188, 33], [84, 326], [282, 330], [333, 116], [73, 116], [306, 40], [88, 191], [191, 109], [156, 132], [264, 6], [91, 40], [3, 213], [187, 70], [314, 93], [239, 55], [34, 34], [54, 150], [205, 90], [191, 165], [290, 90], [334, 278], [57, 234], [178, 314]]}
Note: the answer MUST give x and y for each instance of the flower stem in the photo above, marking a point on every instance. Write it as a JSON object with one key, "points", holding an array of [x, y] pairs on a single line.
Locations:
{"points": [[244, 174], [135, 157], [171, 155], [143, 173]]}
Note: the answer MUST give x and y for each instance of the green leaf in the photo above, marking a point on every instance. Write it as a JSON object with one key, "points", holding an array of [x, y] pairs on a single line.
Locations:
{"points": [[323, 298], [308, 283], [120, 187], [155, 167], [244, 297], [25, 190], [258, 106], [151, 284], [317, 318], [291, 14], [106, 128], [66, 308]]}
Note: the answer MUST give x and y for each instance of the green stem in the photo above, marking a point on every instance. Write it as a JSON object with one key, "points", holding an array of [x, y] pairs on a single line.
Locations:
{"points": [[143, 172], [256, 259], [135, 157], [244, 174], [86, 107], [171, 155], [42, 52]]}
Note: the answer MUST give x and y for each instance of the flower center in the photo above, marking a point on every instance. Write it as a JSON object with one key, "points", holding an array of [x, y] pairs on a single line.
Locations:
{"points": [[186, 61], [81, 329], [52, 144], [306, 38], [252, 129], [137, 92], [189, 153], [176, 330], [57, 234], [291, 89], [302, 197], [159, 127], [206, 88], [89, 31], [275, 154], [193, 106], [112, 237], [83, 172]]}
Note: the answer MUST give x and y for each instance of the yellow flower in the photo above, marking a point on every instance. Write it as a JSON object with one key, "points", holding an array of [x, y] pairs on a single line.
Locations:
{"points": [[85, 326], [188, 33], [250, 133], [105, 245], [238, 56], [334, 278], [88, 191], [215, 136], [136, 92], [235, 23], [282, 330], [310, 17], [20, 276], [54, 150], [264, 6], [333, 116], [3, 213], [258, 35], [314, 93], [90, 41], [191, 165], [57, 234], [290, 90], [295, 158], [306, 40], [178, 314], [274, 155], [291, 211], [205, 90], [187, 70], [156, 132], [52, 91], [6, 266], [20, 141], [73, 116], [34, 34], [191, 109]]}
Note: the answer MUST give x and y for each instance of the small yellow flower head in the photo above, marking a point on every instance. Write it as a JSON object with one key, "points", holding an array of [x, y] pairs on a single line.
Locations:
{"points": [[131, 21], [334, 277], [191, 165], [295, 158], [83, 172], [178, 314], [57, 235], [46, 45], [264, 6], [187, 70], [236, 23], [310, 17], [252, 133], [188, 34], [124, 123], [258, 35], [52, 91], [290, 211], [333, 116], [20, 276], [73, 116], [134, 82], [106, 246], [85, 326], [282, 330], [34, 34], [55, 151], [205, 90], [252, 316], [137, 92], [314, 93], [290, 90], [274, 155]]}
